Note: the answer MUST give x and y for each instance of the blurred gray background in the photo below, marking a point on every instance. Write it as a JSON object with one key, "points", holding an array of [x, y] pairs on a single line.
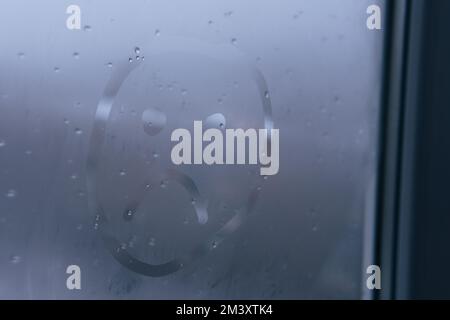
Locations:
{"points": [[309, 236]]}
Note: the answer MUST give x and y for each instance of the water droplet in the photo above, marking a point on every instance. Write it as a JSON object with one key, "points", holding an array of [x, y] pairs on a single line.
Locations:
{"points": [[76, 55], [56, 69], [193, 201], [137, 50], [214, 244], [267, 95], [155, 155], [87, 28], [297, 15], [152, 242], [183, 92], [148, 186], [233, 41], [11, 193], [122, 173], [66, 121], [2, 143], [96, 221], [14, 259], [78, 131], [130, 60], [21, 55], [132, 241], [128, 215], [109, 65], [138, 58], [157, 32], [154, 121], [74, 177], [163, 184]]}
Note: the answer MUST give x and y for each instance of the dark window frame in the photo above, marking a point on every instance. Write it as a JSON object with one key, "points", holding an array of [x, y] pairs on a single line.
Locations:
{"points": [[413, 206]]}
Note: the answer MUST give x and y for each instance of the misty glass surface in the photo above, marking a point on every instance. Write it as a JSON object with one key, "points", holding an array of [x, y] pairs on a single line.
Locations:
{"points": [[86, 176]]}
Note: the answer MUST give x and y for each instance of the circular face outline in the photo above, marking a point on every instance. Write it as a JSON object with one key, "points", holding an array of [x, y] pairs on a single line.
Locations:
{"points": [[218, 52]]}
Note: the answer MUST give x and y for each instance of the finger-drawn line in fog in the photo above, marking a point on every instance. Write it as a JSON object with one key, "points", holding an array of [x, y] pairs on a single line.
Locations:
{"points": [[224, 53]]}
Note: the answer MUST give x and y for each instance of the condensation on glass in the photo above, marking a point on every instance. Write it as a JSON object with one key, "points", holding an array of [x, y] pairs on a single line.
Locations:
{"points": [[86, 176]]}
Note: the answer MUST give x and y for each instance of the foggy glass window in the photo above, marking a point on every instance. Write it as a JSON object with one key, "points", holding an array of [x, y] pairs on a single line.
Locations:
{"points": [[87, 123]]}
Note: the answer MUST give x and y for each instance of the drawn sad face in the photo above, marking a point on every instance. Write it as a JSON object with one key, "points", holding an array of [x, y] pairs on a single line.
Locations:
{"points": [[156, 217]]}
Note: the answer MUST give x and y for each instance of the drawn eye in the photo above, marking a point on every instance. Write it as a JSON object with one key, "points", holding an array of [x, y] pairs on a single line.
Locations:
{"points": [[216, 120], [153, 121]]}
